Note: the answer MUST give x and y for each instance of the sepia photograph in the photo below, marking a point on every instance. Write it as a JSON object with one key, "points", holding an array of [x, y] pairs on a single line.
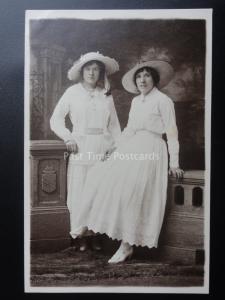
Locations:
{"points": [[117, 150]]}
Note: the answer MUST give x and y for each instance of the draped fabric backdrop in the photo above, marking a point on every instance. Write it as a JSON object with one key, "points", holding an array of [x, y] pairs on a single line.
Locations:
{"points": [[56, 44]]}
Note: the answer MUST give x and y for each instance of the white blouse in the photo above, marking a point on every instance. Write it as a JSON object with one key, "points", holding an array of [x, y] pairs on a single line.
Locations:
{"points": [[154, 112], [87, 111]]}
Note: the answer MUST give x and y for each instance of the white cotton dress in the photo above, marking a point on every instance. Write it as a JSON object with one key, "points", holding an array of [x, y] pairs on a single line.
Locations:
{"points": [[95, 127], [125, 196]]}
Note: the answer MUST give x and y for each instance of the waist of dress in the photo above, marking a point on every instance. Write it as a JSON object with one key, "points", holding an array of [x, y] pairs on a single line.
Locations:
{"points": [[144, 131], [90, 131]]}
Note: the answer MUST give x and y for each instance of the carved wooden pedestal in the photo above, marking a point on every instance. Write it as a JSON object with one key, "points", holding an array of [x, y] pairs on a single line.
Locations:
{"points": [[49, 214]]}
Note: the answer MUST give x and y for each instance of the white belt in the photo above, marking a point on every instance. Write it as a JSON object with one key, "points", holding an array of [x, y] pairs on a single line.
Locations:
{"points": [[94, 131], [149, 131]]}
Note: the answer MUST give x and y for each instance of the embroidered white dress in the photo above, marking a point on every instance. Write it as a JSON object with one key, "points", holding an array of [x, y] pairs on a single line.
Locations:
{"points": [[125, 196], [95, 127]]}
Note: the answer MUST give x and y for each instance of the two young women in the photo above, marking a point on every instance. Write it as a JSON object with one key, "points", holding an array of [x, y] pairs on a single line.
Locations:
{"points": [[125, 195]]}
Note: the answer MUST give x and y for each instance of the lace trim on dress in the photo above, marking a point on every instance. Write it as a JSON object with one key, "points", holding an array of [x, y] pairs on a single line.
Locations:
{"points": [[142, 240]]}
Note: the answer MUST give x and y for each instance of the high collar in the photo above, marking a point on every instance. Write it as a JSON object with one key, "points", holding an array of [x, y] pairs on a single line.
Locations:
{"points": [[152, 93], [93, 92]]}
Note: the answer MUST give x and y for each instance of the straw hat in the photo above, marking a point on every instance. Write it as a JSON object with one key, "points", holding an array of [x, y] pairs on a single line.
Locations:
{"points": [[164, 69], [111, 65]]}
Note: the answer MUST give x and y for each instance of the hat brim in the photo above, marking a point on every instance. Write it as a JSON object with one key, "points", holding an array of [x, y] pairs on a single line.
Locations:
{"points": [[164, 69], [111, 65]]}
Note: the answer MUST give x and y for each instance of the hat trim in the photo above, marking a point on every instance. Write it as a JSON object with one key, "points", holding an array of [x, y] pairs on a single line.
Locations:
{"points": [[111, 65], [164, 69]]}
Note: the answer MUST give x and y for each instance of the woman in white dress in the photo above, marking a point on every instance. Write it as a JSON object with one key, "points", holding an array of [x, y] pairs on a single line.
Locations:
{"points": [[94, 119], [125, 196]]}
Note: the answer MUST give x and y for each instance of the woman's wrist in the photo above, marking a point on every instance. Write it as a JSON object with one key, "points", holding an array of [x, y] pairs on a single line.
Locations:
{"points": [[176, 171], [71, 145]]}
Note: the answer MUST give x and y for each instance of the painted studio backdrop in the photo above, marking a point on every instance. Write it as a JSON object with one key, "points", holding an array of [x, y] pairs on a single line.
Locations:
{"points": [[57, 43]]}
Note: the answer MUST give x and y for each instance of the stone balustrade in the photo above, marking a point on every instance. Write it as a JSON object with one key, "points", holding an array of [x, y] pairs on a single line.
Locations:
{"points": [[182, 236]]}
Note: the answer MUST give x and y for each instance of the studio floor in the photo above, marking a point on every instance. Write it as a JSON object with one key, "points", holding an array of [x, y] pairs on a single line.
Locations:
{"points": [[71, 268]]}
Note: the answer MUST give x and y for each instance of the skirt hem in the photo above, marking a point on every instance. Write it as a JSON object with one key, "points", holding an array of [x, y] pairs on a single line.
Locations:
{"points": [[82, 230]]}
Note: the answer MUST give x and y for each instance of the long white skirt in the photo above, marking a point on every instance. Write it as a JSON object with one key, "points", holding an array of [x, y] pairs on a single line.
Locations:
{"points": [[91, 149], [125, 196]]}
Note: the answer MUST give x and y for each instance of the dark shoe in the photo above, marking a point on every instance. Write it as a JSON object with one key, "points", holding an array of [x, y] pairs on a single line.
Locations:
{"points": [[74, 244], [96, 244], [83, 244]]}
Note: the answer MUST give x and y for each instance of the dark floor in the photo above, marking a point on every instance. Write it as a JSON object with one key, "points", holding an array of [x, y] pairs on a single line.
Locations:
{"points": [[73, 268]]}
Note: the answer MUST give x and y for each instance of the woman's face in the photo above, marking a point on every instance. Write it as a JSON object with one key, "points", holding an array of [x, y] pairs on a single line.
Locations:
{"points": [[91, 74], [144, 82]]}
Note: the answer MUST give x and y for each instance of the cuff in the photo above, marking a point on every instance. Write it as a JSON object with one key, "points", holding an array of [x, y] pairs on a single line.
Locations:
{"points": [[174, 161]]}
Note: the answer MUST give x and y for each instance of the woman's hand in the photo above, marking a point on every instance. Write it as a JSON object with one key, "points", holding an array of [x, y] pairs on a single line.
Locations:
{"points": [[110, 151], [71, 146], [176, 172]]}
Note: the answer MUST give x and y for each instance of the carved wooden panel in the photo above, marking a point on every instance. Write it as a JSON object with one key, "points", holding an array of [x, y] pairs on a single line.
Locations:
{"points": [[48, 181], [48, 172]]}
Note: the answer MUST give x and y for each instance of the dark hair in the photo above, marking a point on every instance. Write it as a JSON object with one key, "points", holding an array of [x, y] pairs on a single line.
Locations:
{"points": [[97, 62], [153, 72]]}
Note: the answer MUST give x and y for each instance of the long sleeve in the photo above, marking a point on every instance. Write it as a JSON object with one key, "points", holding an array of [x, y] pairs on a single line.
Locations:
{"points": [[169, 120], [57, 121]]}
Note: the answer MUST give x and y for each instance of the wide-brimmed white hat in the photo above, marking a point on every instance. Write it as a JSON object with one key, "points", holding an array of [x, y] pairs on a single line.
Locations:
{"points": [[111, 65], [164, 69]]}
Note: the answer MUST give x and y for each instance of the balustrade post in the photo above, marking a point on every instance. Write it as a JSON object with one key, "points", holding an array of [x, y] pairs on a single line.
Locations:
{"points": [[49, 213], [182, 237]]}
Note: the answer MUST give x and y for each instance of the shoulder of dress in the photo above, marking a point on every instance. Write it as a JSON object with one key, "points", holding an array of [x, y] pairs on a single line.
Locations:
{"points": [[164, 99], [71, 93], [135, 99], [74, 87]]}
